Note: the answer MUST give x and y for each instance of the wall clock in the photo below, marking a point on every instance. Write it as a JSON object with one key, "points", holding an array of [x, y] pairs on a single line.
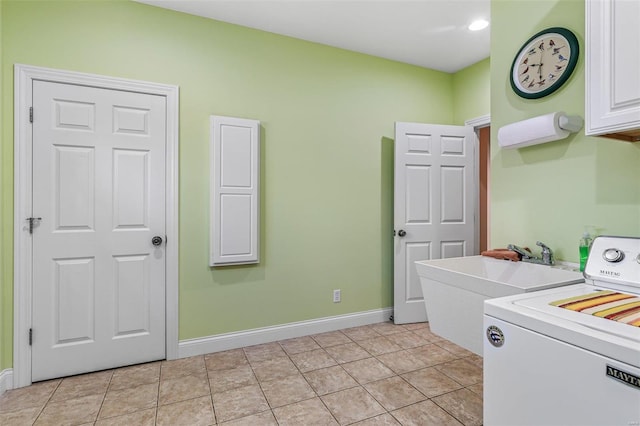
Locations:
{"points": [[544, 63]]}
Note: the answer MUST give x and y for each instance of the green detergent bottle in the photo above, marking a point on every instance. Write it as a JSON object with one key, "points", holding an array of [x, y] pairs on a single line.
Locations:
{"points": [[585, 245]]}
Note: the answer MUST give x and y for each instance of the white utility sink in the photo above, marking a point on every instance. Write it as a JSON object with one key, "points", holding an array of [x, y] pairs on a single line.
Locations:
{"points": [[455, 289]]}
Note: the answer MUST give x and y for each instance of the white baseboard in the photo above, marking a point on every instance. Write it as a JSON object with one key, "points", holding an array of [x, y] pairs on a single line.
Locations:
{"points": [[6, 380], [256, 336]]}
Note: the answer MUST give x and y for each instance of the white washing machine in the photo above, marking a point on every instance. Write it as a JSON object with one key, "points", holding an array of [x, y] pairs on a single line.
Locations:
{"points": [[568, 355]]}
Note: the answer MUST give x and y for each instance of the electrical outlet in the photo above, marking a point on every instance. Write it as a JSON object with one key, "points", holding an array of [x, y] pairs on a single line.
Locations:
{"points": [[336, 296]]}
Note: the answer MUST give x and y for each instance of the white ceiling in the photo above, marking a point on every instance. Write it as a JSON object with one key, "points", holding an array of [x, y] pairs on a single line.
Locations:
{"points": [[428, 33]]}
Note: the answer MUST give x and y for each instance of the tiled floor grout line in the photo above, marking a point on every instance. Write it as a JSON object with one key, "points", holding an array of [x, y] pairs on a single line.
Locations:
{"points": [[390, 412], [47, 402], [307, 381], [365, 389], [337, 364], [213, 408], [316, 395], [104, 397], [260, 386], [444, 408], [358, 383], [155, 417]]}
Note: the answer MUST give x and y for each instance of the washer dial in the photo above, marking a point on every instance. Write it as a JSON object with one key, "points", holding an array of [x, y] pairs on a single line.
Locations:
{"points": [[613, 255]]}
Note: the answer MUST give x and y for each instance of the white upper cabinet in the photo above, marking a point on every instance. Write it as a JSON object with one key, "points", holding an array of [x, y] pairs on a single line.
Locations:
{"points": [[235, 191], [613, 69]]}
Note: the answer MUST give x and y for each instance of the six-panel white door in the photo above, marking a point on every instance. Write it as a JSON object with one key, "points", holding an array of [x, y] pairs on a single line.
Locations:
{"points": [[99, 187], [434, 206]]}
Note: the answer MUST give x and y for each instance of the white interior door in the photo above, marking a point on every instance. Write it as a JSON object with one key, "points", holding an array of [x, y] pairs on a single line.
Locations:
{"points": [[434, 205], [99, 189]]}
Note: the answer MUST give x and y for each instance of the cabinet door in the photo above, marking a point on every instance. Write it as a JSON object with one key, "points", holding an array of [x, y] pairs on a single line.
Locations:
{"points": [[235, 188], [612, 66]]}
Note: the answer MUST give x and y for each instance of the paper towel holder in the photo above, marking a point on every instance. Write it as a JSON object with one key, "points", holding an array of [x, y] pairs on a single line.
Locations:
{"points": [[544, 128], [570, 123]]}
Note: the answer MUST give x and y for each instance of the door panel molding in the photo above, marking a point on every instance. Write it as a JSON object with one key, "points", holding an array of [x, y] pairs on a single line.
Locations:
{"points": [[24, 76]]}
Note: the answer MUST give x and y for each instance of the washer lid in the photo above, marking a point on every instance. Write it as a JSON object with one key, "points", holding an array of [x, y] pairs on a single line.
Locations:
{"points": [[608, 304], [533, 311]]}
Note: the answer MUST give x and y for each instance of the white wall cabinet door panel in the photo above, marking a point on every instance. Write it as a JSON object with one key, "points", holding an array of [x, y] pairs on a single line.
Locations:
{"points": [[612, 68], [235, 191], [435, 195], [99, 187]]}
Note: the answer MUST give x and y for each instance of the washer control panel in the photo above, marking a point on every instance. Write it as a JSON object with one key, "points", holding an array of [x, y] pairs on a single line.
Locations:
{"points": [[614, 260]]}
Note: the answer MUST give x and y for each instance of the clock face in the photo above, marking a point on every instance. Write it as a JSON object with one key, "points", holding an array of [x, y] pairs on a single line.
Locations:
{"points": [[544, 63]]}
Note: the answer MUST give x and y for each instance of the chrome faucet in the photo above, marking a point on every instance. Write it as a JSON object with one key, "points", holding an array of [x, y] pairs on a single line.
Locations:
{"points": [[547, 254], [526, 256]]}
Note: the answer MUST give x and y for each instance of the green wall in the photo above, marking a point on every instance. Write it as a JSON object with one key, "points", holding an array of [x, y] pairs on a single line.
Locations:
{"points": [[549, 192], [327, 157], [471, 92]]}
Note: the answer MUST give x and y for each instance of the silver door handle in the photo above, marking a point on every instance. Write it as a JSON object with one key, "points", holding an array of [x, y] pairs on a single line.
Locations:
{"points": [[402, 233], [156, 241]]}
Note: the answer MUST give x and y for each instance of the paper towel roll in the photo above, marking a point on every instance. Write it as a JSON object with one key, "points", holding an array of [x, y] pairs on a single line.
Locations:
{"points": [[541, 129]]}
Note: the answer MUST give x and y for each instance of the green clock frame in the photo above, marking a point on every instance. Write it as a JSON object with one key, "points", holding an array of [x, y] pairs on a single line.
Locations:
{"points": [[571, 65]]}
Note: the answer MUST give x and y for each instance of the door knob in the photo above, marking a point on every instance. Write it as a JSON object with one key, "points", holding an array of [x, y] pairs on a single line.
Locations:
{"points": [[402, 233], [156, 241]]}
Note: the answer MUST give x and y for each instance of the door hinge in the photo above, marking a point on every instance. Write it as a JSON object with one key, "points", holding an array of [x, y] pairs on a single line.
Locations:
{"points": [[30, 114], [30, 336], [32, 222]]}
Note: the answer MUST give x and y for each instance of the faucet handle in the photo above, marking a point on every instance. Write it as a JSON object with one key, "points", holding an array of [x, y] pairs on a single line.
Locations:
{"points": [[523, 252], [544, 246]]}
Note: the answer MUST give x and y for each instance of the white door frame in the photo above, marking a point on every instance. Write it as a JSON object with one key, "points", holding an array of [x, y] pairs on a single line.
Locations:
{"points": [[478, 123], [22, 243]]}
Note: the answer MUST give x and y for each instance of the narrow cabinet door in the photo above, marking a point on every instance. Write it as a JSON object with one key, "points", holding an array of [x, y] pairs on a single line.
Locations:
{"points": [[235, 191]]}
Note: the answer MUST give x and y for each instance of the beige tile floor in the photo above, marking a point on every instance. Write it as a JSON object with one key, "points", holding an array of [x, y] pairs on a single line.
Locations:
{"points": [[381, 374]]}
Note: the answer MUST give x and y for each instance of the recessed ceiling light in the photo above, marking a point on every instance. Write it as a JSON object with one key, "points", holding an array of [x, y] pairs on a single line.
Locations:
{"points": [[478, 24]]}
